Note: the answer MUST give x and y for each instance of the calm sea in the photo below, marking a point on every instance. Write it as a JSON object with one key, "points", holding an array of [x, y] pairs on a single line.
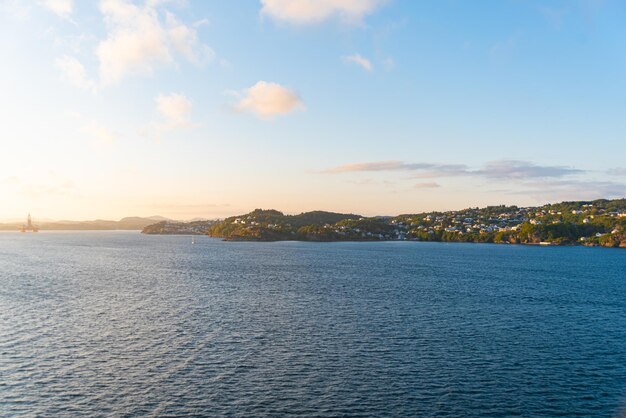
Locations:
{"points": [[123, 324]]}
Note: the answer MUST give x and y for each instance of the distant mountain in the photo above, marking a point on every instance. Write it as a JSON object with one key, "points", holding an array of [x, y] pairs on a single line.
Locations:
{"points": [[135, 222], [160, 218], [129, 223]]}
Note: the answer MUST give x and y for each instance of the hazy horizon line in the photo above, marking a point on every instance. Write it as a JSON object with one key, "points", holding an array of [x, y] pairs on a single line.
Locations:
{"points": [[16, 220]]}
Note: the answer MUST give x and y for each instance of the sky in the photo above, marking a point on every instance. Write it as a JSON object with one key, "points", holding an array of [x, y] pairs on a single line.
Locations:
{"points": [[208, 109]]}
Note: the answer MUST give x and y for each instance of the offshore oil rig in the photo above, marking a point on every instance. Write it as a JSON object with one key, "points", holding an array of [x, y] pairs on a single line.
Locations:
{"points": [[29, 227]]}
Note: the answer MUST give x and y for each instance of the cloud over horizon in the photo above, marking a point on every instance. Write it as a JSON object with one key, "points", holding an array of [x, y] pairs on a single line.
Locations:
{"points": [[497, 169], [427, 185], [266, 100], [541, 182], [316, 11], [514, 169], [574, 189]]}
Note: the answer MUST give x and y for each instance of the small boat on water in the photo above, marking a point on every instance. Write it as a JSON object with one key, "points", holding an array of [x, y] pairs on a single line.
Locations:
{"points": [[193, 240]]}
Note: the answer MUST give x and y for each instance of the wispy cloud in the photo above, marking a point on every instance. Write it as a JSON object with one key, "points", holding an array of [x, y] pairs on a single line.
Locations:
{"points": [[511, 169], [539, 182], [267, 99], [74, 72], [372, 166], [176, 109], [62, 8], [101, 133], [427, 185], [618, 171], [17, 9], [316, 11], [394, 165], [94, 129], [572, 189], [184, 40], [53, 185], [360, 61], [500, 169]]}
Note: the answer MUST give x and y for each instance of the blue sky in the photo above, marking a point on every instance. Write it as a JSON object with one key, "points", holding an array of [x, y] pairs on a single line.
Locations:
{"points": [[202, 109]]}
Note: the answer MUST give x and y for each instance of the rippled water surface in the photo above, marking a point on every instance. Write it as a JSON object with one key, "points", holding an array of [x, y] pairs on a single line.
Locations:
{"points": [[119, 323]]}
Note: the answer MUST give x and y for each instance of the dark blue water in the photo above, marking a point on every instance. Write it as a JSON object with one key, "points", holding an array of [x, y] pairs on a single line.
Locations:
{"points": [[125, 324]]}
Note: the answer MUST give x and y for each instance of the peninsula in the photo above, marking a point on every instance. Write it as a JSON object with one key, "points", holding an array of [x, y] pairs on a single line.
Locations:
{"points": [[592, 223]]}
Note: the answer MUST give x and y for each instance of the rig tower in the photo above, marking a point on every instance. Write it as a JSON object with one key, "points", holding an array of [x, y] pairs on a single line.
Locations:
{"points": [[29, 227]]}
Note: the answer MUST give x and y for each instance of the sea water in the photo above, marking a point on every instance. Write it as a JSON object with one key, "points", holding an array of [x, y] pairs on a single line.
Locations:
{"points": [[124, 324]]}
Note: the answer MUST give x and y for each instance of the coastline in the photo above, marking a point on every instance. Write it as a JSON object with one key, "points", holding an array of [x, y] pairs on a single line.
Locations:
{"points": [[530, 244]]}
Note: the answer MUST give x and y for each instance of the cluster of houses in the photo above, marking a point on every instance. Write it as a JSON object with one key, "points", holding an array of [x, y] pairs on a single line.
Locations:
{"points": [[178, 228], [469, 221], [244, 221], [502, 220], [466, 221], [347, 231]]}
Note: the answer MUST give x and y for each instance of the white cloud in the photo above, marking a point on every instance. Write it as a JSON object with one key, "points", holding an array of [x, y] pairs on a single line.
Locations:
{"points": [[74, 72], [62, 8], [269, 99], [184, 39], [176, 109], [360, 61], [316, 11], [138, 41]]}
